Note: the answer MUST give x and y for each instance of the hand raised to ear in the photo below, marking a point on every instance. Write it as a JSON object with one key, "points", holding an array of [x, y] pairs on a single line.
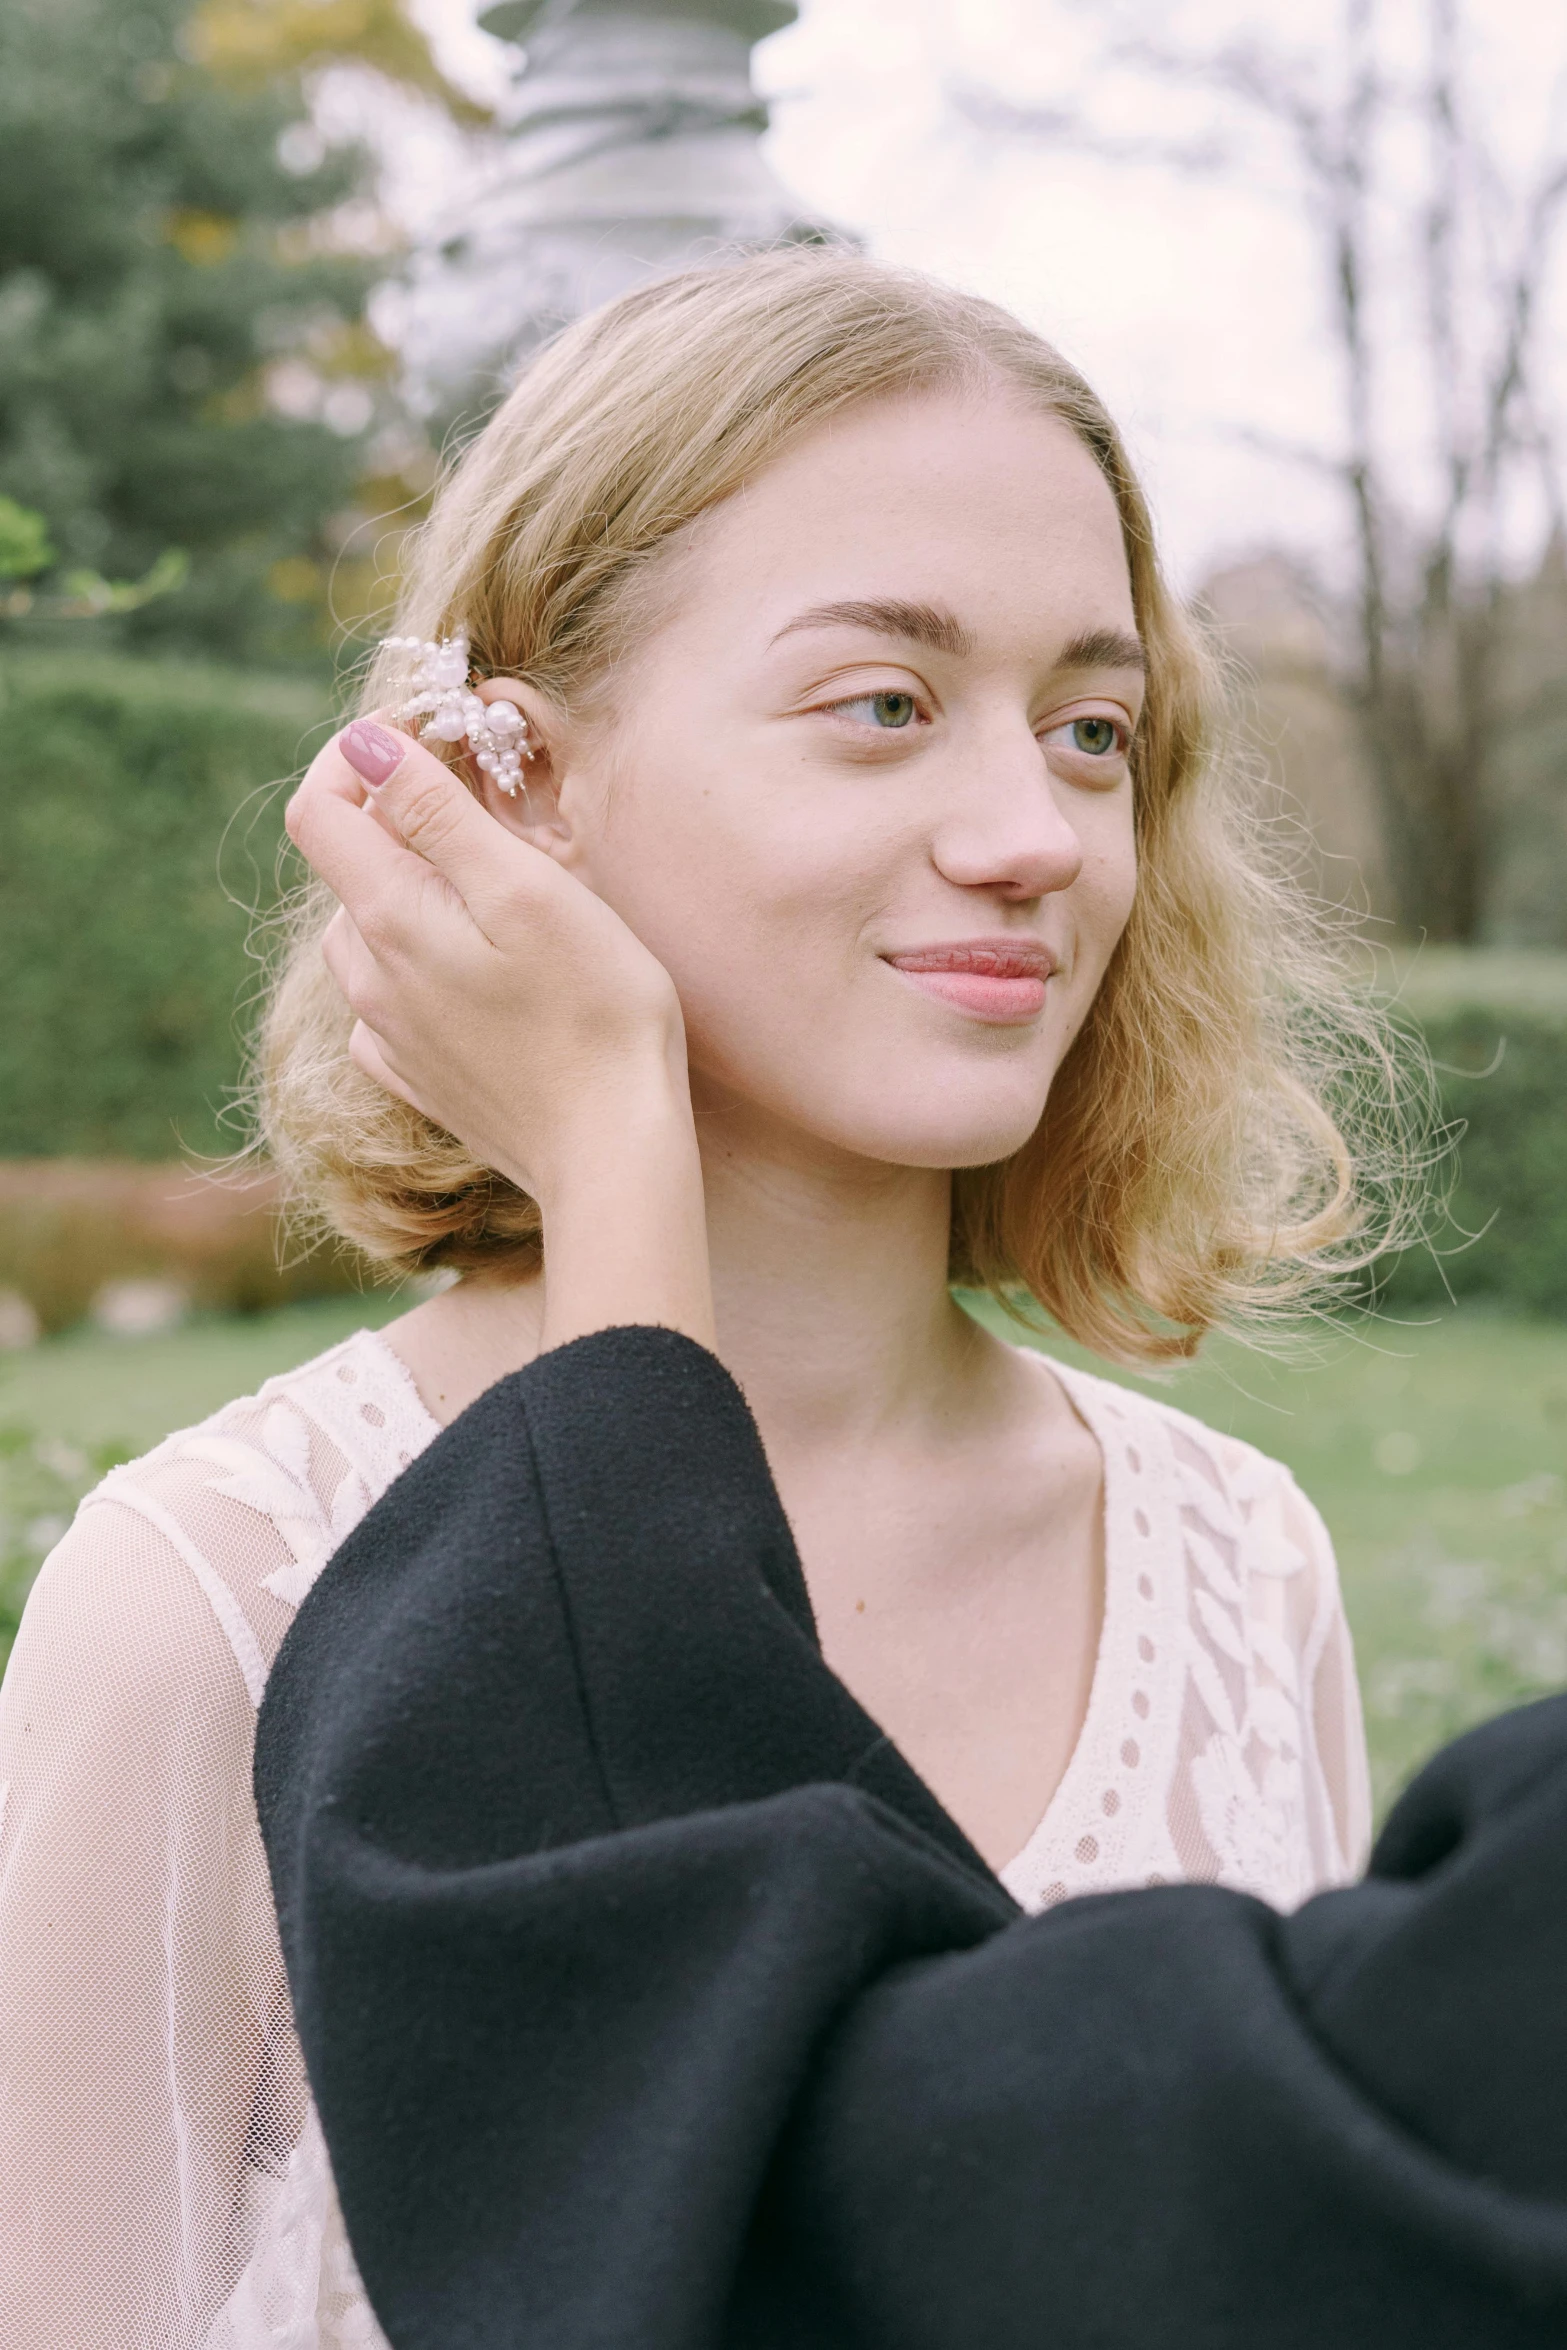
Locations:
{"points": [[492, 990], [495, 993]]}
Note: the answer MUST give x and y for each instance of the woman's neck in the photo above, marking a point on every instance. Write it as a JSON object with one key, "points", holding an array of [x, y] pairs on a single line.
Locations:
{"points": [[830, 1286], [829, 1280]]}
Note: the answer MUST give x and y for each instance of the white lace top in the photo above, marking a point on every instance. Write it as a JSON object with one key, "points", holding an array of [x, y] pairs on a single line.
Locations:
{"points": [[163, 2182]]}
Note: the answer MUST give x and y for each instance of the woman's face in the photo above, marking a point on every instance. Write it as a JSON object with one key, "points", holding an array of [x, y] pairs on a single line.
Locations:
{"points": [[865, 793]]}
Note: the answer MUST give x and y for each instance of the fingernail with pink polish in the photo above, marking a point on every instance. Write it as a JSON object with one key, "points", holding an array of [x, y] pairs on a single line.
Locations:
{"points": [[371, 751]]}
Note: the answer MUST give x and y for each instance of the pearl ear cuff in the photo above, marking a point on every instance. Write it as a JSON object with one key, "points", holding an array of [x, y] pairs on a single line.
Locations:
{"points": [[440, 694]]}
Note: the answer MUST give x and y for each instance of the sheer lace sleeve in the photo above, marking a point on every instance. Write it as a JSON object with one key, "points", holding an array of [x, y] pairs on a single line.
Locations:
{"points": [[141, 1996], [1302, 1718], [1333, 1719], [163, 2181]]}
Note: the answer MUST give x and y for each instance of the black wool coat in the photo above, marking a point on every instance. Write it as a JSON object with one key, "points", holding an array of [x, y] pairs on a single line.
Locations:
{"points": [[651, 2002]]}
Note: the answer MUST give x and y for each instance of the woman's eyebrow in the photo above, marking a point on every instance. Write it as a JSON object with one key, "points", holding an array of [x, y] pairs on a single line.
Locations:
{"points": [[924, 624], [928, 624], [1104, 648]]}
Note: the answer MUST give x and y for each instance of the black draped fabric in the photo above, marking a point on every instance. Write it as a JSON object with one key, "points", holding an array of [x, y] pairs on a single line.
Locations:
{"points": [[651, 2002]]}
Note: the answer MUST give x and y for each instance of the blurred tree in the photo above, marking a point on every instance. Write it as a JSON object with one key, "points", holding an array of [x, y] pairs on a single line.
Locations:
{"points": [[1435, 229], [185, 362], [252, 43]]}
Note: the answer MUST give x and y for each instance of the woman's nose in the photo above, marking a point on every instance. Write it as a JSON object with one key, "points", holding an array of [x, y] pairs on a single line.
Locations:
{"points": [[1008, 833]]}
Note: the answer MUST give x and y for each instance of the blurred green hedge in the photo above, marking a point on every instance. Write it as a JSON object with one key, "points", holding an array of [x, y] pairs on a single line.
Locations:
{"points": [[140, 815], [1496, 1024]]}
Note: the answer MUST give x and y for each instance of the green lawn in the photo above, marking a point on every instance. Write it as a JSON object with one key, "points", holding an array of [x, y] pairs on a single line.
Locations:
{"points": [[1437, 1453]]}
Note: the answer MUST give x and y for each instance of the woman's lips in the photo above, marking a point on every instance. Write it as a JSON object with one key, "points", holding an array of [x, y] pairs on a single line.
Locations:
{"points": [[997, 980]]}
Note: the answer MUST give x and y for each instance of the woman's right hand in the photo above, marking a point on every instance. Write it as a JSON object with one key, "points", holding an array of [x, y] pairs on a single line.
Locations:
{"points": [[496, 994]]}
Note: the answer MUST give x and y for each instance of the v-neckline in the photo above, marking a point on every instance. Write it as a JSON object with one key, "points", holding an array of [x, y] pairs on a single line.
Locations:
{"points": [[1105, 1772]]}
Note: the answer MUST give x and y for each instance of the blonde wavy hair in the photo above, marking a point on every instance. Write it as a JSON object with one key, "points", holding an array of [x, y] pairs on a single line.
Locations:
{"points": [[1226, 1134]]}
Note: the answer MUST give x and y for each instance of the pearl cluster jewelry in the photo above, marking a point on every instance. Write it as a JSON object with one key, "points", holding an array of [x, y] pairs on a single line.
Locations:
{"points": [[495, 732]]}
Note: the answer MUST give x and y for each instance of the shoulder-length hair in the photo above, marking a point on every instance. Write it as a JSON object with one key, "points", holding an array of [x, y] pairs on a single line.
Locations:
{"points": [[1223, 1136]]}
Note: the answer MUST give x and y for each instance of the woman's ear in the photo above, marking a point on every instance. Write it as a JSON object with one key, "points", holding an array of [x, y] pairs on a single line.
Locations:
{"points": [[534, 810]]}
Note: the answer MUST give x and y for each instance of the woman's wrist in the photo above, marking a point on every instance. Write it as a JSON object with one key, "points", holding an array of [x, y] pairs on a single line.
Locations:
{"points": [[637, 1104], [625, 1228]]}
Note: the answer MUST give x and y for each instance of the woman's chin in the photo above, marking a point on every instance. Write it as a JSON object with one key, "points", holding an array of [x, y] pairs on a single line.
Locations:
{"points": [[960, 1152], [943, 1115], [932, 1116], [916, 1140]]}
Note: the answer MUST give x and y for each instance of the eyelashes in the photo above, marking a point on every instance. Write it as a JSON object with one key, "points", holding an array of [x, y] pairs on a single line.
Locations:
{"points": [[1096, 736], [892, 711], [1112, 736]]}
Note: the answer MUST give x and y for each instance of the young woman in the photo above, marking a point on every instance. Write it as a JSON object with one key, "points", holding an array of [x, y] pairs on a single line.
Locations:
{"points": [[875, 918]]}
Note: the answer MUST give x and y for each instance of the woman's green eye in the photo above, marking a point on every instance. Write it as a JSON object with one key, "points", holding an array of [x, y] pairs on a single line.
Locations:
{"points": [[891, 710], [1097, 735]]}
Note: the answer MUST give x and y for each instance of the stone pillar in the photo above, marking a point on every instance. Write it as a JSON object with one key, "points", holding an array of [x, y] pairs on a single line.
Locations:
{"points": [[632, 147]]}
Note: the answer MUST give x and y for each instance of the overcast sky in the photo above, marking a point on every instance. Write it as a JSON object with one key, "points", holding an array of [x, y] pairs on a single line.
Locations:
{"points": [[1194, 302]]}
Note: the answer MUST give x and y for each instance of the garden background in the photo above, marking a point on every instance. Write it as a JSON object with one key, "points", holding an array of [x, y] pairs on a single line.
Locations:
{"points": [[213, 434]]}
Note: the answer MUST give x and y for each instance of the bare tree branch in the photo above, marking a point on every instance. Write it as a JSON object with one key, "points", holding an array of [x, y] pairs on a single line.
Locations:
{"points": [[1069, 130], [1432, 593], [1289, 452]]}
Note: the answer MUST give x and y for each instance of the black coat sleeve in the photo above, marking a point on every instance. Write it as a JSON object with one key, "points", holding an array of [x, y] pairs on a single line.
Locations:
{"points": [[649, 1999]]}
